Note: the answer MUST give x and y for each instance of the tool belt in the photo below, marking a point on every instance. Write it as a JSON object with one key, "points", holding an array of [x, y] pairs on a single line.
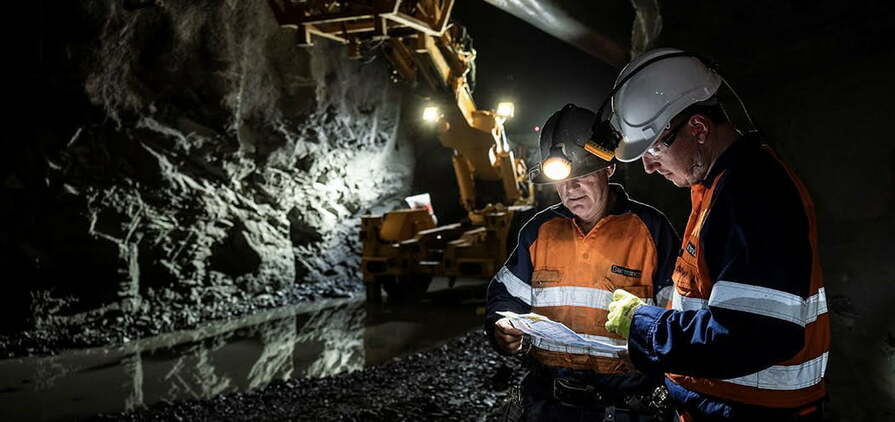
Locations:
{"points": [[573, 392]]}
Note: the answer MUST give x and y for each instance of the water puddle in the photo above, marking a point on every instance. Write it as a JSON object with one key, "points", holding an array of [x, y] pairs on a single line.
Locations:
{"points": [[315, 340]]}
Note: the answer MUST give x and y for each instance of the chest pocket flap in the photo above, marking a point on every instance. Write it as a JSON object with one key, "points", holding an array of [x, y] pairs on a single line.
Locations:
{"points": [[545, 277]]}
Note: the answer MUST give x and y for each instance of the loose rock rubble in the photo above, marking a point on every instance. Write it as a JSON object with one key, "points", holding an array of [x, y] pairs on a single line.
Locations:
{"points": [[463, 380]]}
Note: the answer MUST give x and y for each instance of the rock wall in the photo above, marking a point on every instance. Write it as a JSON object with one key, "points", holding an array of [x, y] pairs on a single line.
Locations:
{"points": [[192, 158]]}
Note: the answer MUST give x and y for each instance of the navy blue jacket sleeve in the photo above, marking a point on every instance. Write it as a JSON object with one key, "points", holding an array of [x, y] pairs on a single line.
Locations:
{"points": [[756, 234], [510, 288]]}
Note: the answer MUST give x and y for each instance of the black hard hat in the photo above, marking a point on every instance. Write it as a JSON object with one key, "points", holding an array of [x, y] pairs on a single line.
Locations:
{"points": [[564, 135]]}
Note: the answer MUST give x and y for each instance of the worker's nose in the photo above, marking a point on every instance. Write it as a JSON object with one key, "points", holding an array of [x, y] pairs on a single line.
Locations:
{"points": [[650, 164], [572, 186], [565, 187]]}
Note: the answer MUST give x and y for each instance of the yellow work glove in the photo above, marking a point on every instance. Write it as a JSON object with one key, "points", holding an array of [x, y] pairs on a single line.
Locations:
{"points": [[621, 312]]}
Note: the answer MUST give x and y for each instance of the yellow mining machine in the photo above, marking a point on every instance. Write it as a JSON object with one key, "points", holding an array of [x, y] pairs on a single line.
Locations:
{"points": [[404, 249]]}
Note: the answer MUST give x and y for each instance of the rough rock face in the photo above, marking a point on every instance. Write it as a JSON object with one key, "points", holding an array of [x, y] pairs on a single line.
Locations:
{"points": [[199, 158]]}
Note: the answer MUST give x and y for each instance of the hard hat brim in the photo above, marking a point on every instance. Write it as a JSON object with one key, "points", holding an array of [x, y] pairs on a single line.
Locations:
{"points": [[627, 153], [653, 95], [594, 165]]}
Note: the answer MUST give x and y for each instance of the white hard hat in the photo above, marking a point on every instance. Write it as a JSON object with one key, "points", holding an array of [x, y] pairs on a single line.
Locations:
{"points": [[660, 87]]}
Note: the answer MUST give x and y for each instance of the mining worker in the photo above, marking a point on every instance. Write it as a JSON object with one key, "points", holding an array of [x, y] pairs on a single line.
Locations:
{"points": [[748, 334], [569, 259]]}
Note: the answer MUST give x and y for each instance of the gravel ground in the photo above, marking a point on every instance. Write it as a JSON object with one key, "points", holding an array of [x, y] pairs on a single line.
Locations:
{"points": [[463, 380]]}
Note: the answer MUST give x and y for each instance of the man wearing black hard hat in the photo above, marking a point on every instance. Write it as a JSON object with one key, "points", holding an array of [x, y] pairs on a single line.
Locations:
{"points": [[569, 259]]}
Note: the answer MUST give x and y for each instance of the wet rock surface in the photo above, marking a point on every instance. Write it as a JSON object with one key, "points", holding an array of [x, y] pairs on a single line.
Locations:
{"points": [[109, 327], [463, 380], [197, 165]]}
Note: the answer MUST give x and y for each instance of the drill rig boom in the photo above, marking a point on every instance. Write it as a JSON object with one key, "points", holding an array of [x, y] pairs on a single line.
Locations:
{"points": [[403, 249]]}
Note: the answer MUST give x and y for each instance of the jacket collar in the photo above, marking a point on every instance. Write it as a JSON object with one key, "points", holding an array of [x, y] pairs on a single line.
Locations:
{"points": [[731, 156]]}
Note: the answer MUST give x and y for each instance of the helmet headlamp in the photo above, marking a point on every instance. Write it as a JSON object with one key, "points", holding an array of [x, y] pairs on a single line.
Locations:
{"points": [[557, 166]]}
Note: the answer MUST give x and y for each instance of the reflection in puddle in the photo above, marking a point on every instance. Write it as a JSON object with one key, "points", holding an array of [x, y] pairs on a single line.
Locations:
{"points": [[337, 337]]}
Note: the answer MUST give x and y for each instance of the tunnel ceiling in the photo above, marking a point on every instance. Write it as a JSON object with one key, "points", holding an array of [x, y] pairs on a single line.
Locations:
{"points": [[742, 33], [601, 29]]}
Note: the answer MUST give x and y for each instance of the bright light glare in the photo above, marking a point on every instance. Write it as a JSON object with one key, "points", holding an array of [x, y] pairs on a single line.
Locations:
{"points": [[431, 114], [557, 168], [506, 110]]}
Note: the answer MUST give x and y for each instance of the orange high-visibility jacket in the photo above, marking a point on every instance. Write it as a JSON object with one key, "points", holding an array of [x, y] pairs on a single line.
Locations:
{"points": [[748, 326], [568, 276]]}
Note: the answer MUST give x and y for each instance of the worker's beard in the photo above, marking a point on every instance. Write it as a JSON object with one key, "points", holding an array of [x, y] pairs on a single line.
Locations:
{"points": [[698, 168]]}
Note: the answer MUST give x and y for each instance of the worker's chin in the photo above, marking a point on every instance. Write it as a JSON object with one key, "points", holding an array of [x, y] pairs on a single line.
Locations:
{"points": [[680, 183], [676, 179], [580, 206]]}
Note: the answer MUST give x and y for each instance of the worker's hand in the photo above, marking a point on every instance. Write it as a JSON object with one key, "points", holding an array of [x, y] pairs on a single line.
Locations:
{"points": [[621, 312], [507, 337]]}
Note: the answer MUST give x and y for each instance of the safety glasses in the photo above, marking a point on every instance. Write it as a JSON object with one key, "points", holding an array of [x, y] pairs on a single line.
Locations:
{"points": [[664, 143]]}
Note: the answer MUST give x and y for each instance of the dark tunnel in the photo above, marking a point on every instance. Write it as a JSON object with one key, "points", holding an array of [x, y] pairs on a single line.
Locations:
{"points": [[292, 209]]}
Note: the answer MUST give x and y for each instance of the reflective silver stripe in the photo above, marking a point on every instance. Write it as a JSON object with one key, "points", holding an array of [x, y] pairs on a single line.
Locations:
{"points": [[817, 305], [664, 296], [586, 297], [562, 348], [768, 302], [610, 340], [791, 377], [516, 287], [680, 302], [572, 296]]}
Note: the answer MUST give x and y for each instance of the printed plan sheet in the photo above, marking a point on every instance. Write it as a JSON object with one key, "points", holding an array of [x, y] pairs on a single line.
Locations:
{"points": [[542, 327]]}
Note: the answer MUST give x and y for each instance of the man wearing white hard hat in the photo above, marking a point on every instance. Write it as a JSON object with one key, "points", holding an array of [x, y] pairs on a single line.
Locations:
{"points": [[747, 336]]}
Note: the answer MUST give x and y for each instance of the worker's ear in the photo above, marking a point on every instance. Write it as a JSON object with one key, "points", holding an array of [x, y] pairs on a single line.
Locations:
{"points": [[610, 171], [699, 127]]}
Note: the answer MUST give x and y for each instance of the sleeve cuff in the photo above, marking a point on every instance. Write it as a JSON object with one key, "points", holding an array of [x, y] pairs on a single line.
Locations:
{"points": [[640, 339]]}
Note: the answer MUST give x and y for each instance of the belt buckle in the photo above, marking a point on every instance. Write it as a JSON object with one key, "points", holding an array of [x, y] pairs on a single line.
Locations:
{"points": [[573, 394]]}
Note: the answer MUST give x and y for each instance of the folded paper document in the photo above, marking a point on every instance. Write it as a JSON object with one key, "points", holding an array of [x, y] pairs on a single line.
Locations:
{"points": [[556, 333]]}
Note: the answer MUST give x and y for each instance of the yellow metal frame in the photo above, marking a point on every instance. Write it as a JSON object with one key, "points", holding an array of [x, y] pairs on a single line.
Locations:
{"points": [[420, 45], [323, 18]]}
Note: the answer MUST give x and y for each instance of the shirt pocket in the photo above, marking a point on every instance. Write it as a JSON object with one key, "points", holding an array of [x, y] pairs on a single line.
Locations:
{"points": [[542, 280], [545, 277]]}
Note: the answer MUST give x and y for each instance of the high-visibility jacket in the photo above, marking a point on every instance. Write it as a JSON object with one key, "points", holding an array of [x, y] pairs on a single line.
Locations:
{"points": [[558, 271], [748, 326]]}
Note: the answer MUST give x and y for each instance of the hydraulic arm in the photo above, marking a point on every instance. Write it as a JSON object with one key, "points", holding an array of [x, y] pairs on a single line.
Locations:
{"points": [[404, 249]]}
